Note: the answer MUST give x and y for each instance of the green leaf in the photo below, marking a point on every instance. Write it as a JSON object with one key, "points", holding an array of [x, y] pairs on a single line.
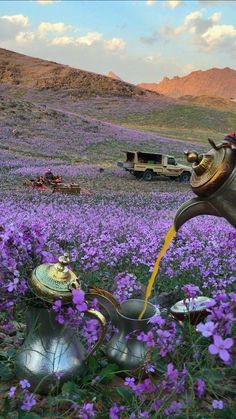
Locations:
{"points": [[108, 372], [226, 414], [93, 364], [29, 415], [212, 375], [125, 393], [5, 372], [71, 389]]}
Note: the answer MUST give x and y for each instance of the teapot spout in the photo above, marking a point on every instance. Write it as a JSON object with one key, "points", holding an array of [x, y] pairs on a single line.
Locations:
{"points": [[193, 208]]}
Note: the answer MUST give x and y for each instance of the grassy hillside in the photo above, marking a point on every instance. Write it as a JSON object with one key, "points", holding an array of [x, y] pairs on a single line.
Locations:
{"points": [[184, 121], [177, 119]]}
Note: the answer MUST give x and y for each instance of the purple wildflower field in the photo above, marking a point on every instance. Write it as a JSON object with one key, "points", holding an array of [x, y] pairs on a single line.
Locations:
{"points": [[113, 237]]}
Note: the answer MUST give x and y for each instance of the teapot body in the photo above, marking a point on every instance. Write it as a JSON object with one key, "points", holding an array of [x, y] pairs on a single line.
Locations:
{"points": [[50, 350], [214, 181], [124, 348], [224, 200]]}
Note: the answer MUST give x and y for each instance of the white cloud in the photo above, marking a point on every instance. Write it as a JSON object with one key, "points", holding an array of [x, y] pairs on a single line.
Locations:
{"points": [[10, 26], [24, 37], [219, 34], [115, 44], [172, 4], [19, 20], [190, 23], [92, 38], [89, 39], [63, 40], [216, 17], [208, 33], [150, 2], [46, 27]]}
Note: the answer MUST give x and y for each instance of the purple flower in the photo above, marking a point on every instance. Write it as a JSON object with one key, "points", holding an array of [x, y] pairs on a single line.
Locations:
{"points": [[57, 306], [206, 329], [60, 318], [24, 384], [28, 402], [114, 411], [149, 367], [12, 286], [86, 411], [144, 415], [174, 409], [157, 319], [217, 404], [130, 382], [59, 374], [199, 387], [146, 337], [221, 347], [78, 300], [126, 286], [11, 392], [191, 290]]}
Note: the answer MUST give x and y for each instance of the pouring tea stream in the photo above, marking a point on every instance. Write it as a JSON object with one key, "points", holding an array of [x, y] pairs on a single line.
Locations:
{"points": [[214, 181]]}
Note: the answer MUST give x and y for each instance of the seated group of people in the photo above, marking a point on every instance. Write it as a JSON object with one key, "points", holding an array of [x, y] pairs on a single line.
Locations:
{"points": [[48, 179]]}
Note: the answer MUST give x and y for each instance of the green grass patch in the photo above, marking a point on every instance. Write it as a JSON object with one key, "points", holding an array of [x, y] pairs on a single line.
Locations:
{"points": [[187, 122]]}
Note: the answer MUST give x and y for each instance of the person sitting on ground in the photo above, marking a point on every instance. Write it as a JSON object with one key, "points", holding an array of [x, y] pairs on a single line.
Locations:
{"points": [[48, 176], [57, 179]]}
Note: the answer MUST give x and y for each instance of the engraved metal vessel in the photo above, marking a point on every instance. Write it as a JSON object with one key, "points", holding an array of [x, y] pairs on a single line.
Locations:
{"points": [[124, 349], [214, 181], [51, 350]]}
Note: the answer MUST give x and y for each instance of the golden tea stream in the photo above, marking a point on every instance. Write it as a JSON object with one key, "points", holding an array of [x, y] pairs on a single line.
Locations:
{"points": [[168, 239]]}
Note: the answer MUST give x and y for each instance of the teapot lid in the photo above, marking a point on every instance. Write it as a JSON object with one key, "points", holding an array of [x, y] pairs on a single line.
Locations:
{"points": [[50, 281], [211, 170]]}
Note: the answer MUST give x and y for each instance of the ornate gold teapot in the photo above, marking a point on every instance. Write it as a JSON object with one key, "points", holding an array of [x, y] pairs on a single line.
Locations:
{"points": [[214, 181], [51, 281], [51, 349]]}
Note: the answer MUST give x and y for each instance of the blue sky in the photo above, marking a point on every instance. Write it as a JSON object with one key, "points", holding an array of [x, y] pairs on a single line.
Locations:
{"points": [[141, 41]]}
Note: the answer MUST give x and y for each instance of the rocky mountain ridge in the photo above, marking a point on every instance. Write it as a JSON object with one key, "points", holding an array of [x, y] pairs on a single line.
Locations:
{"points": [[215, 82]]}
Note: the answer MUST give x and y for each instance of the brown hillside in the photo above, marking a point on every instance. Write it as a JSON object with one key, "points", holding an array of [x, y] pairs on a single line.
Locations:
{"points": [[24, 71], [213, 82]]}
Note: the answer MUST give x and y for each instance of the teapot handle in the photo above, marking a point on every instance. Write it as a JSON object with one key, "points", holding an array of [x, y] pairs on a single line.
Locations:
{"points": [[99, 316]]}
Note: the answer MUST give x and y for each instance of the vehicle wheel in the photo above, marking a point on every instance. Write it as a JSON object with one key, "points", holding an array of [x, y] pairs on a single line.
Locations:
{"points": [[148, 175], [185, 177]]}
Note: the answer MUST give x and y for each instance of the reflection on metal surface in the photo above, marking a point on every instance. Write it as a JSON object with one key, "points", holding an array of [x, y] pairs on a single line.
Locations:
{"points": [[128, 353], [50, 348], [214, 181]]}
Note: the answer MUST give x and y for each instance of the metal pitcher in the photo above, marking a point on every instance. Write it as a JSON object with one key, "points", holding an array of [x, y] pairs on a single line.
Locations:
{"points": [[51, 351], [124, 349], [214, 181]]}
